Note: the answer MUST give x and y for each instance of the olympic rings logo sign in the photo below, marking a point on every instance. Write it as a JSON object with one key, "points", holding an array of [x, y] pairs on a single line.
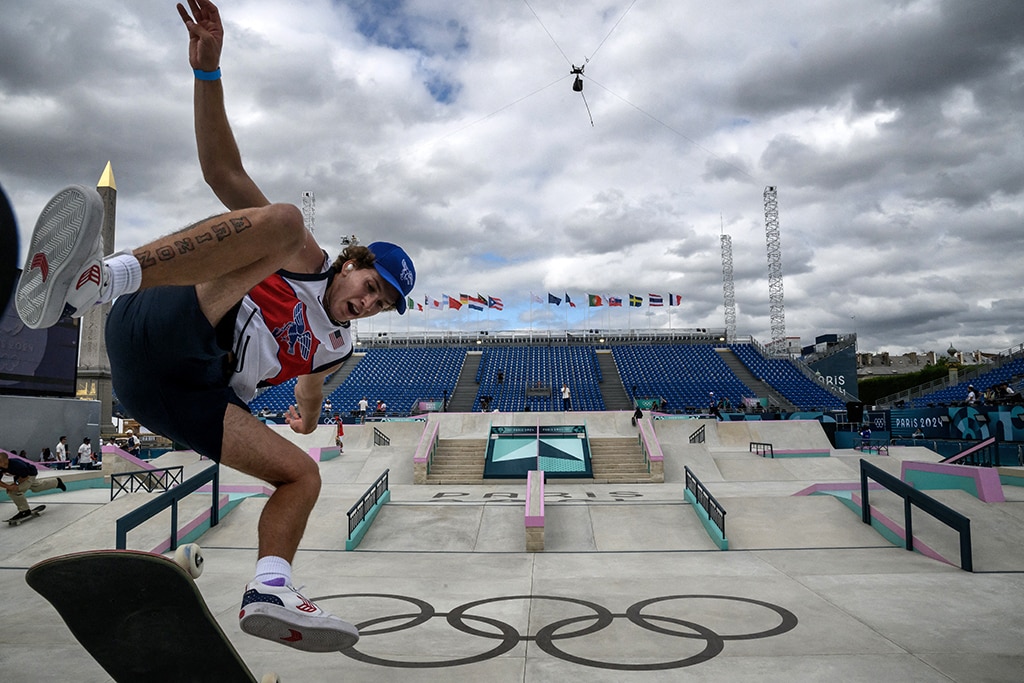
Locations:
{"points": [[556, 635]]}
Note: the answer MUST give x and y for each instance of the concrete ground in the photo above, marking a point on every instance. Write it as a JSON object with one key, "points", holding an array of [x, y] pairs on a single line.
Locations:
{"points": [[628, 588]]}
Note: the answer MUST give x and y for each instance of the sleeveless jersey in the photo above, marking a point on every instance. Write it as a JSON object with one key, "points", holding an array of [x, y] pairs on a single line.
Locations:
{"points": [[282, 331]]}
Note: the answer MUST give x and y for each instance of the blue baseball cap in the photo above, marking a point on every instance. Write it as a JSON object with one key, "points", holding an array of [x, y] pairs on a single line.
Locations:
{"points": [[395, 266]]}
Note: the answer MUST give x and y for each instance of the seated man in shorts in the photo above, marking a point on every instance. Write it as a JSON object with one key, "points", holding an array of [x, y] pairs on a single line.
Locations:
{"points": [[205, 316]]}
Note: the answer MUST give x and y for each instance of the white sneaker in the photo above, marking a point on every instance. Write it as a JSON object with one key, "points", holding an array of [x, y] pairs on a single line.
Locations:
{"points": [[282, 614], [64, 273]]}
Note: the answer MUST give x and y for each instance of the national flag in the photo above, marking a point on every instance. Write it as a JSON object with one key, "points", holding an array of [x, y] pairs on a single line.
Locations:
{"points": [[569, 301], [337, 339], [464, 298], [654, 300], [552, 299], [478, 299], [636, 301], [675, 299], [475, 306], [614, 301], [435, 304], [495, 303], [409, 303], [595, 300], [453, 302], [534, 297]]}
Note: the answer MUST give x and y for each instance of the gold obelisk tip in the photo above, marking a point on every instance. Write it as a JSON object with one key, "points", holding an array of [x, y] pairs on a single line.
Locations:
{"points": [[107, 178]]}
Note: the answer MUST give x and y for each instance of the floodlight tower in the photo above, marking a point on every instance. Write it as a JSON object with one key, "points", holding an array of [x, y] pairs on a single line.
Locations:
{"points": [[308, 210], [778, 310], [728, 288]]}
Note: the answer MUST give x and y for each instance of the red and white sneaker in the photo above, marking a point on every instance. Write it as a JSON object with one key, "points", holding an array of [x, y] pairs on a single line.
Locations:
{"points": [[64, 273], [282, 614]]}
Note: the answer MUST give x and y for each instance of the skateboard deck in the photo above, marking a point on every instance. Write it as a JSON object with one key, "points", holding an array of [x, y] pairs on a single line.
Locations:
{"points": [[35, 513], [140, 616]]}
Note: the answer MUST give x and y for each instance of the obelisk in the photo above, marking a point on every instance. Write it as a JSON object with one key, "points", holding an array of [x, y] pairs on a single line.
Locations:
{"points": [[93, 365]]}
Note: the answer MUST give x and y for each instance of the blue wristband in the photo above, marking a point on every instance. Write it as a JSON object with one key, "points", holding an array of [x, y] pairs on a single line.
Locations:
{"points": [[207, 75]]}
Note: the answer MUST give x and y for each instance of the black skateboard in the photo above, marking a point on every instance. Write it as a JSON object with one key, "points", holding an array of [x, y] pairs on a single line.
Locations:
{"points": [[35, 513], [141, 616]]}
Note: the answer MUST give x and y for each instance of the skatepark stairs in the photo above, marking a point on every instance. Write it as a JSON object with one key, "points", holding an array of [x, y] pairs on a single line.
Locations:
{"points": [[618, 460], [458, 461]]}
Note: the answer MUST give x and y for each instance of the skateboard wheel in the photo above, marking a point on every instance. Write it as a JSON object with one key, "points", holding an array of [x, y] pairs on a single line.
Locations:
{"points": [[190, 558], [270, 678]]}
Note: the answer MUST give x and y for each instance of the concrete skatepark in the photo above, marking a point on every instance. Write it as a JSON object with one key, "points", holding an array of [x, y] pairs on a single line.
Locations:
{"points": [[629, 585]]}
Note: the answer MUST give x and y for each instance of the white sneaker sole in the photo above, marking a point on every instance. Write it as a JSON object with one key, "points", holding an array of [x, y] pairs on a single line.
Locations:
{"points": [[64, 239], [310, 634]]}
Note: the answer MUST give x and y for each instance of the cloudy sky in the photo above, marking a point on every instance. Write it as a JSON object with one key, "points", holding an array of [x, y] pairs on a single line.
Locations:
{"points": [[893, 130]]}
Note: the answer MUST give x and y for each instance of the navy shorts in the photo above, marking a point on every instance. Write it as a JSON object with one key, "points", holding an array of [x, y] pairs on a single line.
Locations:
{"points": [[170, 370]]}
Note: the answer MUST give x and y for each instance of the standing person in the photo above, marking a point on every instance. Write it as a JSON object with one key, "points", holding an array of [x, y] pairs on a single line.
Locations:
{"points": [[62, 449], [24, 474], [364, 405], [213, 312], [565, 397], [86, 457], [132, 444], [341, 433]]}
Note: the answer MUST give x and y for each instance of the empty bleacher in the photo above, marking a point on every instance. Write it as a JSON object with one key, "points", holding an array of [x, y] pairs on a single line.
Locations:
{"points": [[541, 368], [783, 376], [532, 375]]}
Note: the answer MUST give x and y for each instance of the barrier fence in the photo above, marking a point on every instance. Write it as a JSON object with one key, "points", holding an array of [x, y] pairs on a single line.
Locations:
{"points": [[145, 480]]}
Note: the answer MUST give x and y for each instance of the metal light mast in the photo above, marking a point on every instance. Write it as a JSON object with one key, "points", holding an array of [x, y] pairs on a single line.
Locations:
{"points": [[308, 210], [728, 288], [778, 310]]}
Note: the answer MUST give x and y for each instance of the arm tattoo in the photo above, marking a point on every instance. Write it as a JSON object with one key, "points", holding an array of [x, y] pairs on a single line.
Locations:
{"points": [[192, 238]]}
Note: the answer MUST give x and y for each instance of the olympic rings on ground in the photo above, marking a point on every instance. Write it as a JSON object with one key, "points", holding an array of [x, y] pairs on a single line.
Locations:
{"points": [[548, 635]]}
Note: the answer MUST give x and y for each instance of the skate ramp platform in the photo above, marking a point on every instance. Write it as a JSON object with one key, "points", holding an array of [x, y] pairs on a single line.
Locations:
{"points": [[629, 587]]}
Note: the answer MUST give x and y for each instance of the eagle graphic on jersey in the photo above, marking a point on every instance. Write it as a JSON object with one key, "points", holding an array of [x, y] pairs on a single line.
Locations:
{"points": [[295, 333]]}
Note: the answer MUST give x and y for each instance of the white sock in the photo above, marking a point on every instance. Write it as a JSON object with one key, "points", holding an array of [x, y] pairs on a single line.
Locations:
{"points": [[125, 275], [271, 567]]}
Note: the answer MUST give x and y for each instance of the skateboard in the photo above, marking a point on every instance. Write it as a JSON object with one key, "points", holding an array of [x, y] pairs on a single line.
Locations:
{"points": [[35, 513], [141, 616]]}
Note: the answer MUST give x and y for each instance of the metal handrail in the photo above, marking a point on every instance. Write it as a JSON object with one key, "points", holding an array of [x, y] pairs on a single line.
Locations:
{"points": [[357, 513], [169, 499], [716, 513], [979, 454], [762, 448], [380, 438], [162, 478], [698, 436], [911, 497]]}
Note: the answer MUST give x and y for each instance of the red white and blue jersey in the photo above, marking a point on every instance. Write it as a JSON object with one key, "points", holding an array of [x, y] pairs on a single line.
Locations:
{"points": [[282, 330]]}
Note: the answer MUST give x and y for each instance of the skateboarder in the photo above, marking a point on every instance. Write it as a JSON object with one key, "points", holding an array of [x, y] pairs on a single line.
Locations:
{"points": [[24, 474], [207, 315]]}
